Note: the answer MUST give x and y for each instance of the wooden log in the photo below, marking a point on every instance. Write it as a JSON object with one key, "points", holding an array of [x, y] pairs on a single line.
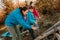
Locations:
{"points": [[46, 34], [25, 32], [58, 36], [55, 25]]}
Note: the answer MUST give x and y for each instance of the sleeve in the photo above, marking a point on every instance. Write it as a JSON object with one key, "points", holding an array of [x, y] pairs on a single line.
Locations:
{"points": [[36, 13], [31, 18], [22, 22]]}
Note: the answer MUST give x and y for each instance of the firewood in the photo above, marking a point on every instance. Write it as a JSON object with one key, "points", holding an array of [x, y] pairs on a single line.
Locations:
{"points": [[46, 34], [55, 25], [58, 36]]}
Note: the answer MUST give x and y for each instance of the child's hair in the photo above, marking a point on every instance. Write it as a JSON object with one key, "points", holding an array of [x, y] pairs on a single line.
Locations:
{"points": [[31, 7], [23, 9], [31, 3]]}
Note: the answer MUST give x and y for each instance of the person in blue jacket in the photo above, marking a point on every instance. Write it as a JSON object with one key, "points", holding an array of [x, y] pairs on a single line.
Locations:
{"points": [[32, 19], [19, 16]]}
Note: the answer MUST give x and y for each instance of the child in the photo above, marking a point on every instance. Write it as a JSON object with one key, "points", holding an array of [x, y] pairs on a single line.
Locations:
{"points": [[34, 10], [32, 19], [19, 16]]}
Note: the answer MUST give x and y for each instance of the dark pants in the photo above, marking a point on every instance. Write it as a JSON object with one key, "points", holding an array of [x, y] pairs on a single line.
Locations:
{"points": [[32, 33]]}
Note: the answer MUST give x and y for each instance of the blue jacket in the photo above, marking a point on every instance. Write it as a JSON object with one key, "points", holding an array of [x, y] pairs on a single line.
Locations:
{"points": [[15, 18], [31, 17]]}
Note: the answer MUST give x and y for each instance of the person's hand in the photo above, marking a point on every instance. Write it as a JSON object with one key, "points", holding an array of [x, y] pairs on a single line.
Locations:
{"points": [[34, 28]]}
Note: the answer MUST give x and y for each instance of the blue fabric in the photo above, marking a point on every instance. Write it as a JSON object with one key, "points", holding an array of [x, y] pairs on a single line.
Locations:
{"points": [[15, 18], [31, 17], [6, 34]]}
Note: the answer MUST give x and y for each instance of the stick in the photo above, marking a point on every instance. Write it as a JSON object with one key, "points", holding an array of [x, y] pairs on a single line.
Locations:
{"points": [[2, 28], [58, 36], [46, 34], [55, 25]]}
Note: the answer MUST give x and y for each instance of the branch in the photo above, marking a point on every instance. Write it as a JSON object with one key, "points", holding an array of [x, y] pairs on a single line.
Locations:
{"points": [[46, 34], [55, 25]]}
